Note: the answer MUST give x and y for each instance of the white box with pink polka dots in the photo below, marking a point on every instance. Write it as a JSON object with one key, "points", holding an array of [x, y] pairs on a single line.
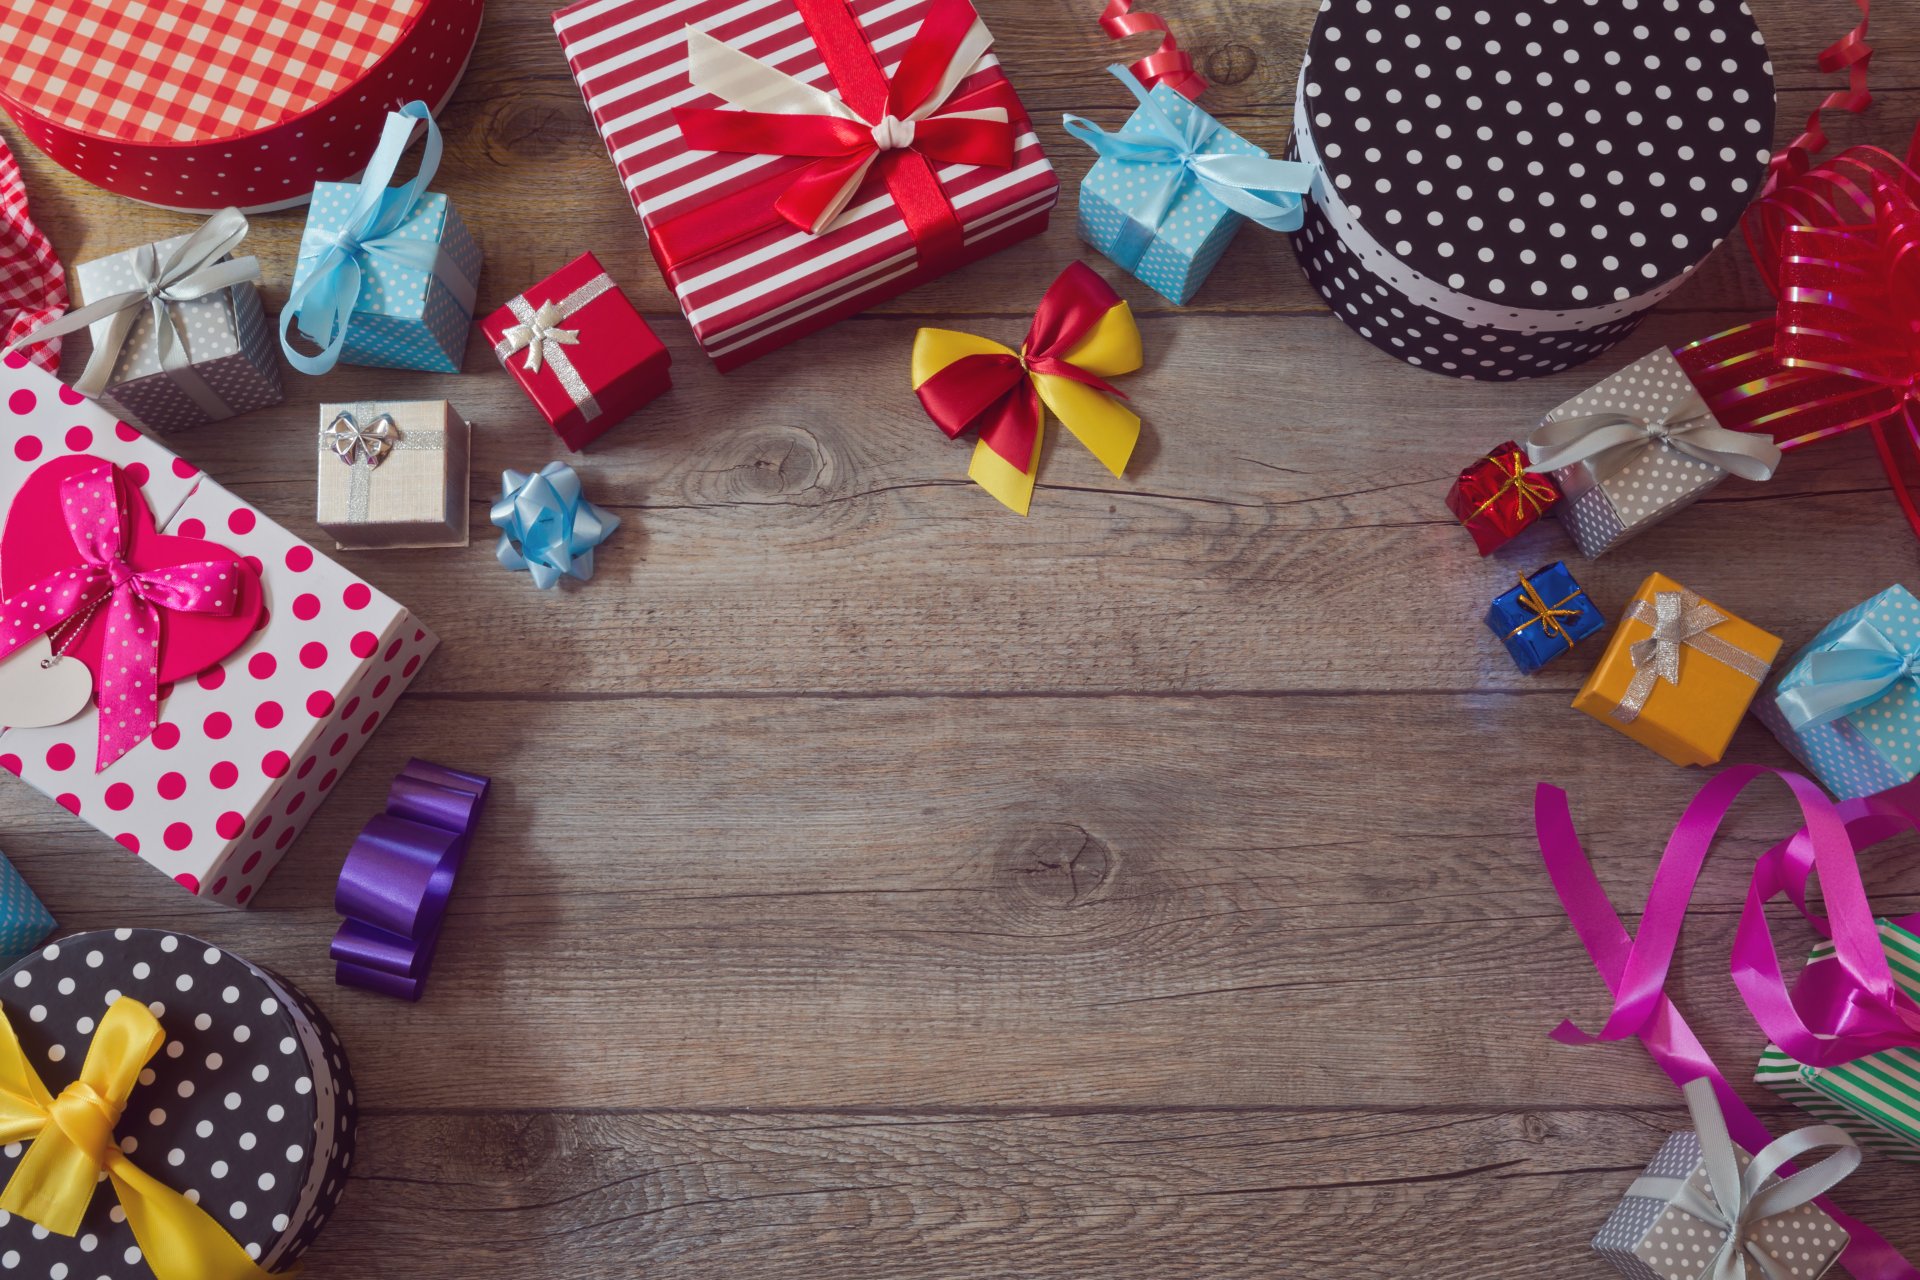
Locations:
{"points": [[245, 752]]}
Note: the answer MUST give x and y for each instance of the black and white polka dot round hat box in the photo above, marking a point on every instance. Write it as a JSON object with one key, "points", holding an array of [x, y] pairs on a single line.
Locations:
{"points": [[1504, 187], [247, 1109]]}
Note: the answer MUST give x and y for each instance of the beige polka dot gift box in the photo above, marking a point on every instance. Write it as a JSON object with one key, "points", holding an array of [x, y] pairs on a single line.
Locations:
{"points": [[1636, 449], [1706, 1210]]}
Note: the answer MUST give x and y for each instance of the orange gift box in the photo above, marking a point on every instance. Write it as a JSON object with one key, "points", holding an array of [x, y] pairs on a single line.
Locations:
{"points": [[1678, 674]]}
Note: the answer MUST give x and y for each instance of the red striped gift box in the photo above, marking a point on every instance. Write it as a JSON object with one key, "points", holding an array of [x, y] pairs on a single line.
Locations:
{"points": [[757, 292]]}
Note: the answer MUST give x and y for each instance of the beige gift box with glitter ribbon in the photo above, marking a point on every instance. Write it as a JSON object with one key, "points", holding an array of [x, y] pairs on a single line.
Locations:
{"points": [[394, 473]]}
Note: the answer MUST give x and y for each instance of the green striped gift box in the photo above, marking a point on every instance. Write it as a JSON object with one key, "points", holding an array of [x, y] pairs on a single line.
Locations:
{"points": [[1876, 1098]]}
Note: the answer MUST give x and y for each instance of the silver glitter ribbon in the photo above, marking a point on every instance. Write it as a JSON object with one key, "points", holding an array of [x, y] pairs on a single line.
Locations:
{"points": [[1737, 1201], [539, 335], [1680, 620], [363, 449], [1612, 442], [192, 271]]}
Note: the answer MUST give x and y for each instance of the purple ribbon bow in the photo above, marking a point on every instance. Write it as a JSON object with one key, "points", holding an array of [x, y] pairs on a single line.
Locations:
{"points": [[399, 876]]}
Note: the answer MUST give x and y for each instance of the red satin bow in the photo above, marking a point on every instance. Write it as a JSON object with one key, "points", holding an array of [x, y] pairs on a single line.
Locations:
{"points": [[127, 686], [1169, 64], [996, 393], [839, 147], [1841, 250], [1852, 54]]}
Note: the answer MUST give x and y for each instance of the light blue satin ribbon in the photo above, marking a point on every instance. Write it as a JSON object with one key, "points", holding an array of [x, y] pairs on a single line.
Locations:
{"points": [[324, 301], [555, 527], [1260, 188], [1857, 669]]}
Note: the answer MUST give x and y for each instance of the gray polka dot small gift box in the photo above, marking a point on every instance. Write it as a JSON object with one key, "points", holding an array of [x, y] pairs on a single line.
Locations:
{"points": [[1848, 704], [1503, 190], [1637, 448], [179, 335], [393, 473], [169, 1112], [1706, 1210]]}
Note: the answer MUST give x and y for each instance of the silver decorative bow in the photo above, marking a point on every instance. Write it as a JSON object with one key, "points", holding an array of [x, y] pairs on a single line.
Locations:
{"points": [[1611, 442], [1738, 1201], [539, 335], [534, 335], [350, 442], [193, 270], [1680, 620]]}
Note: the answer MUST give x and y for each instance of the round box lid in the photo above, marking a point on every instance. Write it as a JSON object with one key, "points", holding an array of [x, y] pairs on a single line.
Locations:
{"points": [[1540, 154]]}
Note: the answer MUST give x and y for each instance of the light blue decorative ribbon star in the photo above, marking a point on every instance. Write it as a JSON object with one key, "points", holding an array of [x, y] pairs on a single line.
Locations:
{"points": [[1856, 670], [324, 300], [555, 527], [1174, 153]]}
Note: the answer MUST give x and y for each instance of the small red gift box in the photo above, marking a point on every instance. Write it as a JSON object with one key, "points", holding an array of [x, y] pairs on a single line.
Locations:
{"points": [[1496, 497], [580, 351]]}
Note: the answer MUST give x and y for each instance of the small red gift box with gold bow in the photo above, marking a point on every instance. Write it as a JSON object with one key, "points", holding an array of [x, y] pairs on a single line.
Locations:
{"points": [[580, 351], [1497, 497]]}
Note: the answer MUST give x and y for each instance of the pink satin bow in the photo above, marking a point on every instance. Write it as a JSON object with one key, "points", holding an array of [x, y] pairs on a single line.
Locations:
{"points": [[127, 685], [1841, 1009]]}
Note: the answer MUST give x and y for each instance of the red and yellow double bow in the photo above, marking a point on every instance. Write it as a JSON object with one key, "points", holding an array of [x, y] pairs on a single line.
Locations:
{"points": [[1083, 334]]}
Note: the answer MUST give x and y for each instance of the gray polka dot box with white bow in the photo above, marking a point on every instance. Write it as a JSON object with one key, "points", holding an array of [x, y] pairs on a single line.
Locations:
{"points": [[1503, 190], [246, 1109]]}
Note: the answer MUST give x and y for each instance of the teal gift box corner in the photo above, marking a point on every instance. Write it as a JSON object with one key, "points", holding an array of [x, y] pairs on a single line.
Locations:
{"points": [[1867, 662], [25, 921], [406, 318], [1174, 186]]}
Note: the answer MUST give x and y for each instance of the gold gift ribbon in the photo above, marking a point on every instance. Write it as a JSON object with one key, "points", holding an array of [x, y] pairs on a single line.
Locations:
{"points": [[1547, 615], [73, 1145], [1517, 479], [1680, 620]]}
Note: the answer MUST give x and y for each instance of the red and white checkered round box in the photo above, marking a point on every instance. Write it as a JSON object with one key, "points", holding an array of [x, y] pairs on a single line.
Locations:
{"points": [[200, 104]]}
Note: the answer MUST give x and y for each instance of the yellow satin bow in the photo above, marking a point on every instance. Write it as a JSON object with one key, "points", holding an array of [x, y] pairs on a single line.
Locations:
{"points": [[970, 382], [73, 1144]]}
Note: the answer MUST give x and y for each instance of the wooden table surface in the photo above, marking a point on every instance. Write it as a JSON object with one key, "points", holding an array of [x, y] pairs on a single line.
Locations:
{"points": [[882, 885]]}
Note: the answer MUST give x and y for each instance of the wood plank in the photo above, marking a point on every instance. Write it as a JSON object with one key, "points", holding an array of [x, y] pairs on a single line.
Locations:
{"points": [[1213, 1193], [776, 902]]}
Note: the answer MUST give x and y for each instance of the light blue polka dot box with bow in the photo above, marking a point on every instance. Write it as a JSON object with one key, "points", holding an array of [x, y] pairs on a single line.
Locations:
{"points": [[1174, 186], [387, 275], [1848, 706]]}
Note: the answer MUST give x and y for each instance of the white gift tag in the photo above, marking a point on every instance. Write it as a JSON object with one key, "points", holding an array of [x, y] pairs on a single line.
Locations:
{"points": [[38, 689]]}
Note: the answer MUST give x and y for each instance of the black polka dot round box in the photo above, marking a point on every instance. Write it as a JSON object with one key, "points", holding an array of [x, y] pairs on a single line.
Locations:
{"points": [[195, 104], [243, 739], [226, 1100], [1503, 190]]}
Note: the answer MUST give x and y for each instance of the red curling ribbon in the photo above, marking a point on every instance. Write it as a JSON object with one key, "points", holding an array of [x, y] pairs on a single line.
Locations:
{"points": [[1850, 53], [831, 151], [1169, 64], [1840, 249], [997, 394]]}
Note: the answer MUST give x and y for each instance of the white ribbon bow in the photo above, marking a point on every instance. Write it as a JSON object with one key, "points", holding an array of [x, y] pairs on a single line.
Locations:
{"points": [[743, 81], [533, 336]]}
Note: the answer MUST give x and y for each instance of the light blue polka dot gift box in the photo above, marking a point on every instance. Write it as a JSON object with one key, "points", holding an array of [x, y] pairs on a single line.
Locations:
{"points": [[1174, 186], [386, 275], [1848, 707]]}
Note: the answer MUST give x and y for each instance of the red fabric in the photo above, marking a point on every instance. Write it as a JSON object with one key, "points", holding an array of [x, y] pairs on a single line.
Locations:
{"points": [[33, 286], [996, 393], [1169, 64], [1496, 497], [843, 145]]}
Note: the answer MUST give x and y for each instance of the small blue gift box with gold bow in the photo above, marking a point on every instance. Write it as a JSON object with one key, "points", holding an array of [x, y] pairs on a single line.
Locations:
{"points": [[1543, 617], [1848, 706], [386, 276], [1174, 186]]}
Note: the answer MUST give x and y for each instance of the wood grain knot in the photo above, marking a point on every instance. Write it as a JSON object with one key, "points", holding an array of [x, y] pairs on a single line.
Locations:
{"points": [[1231, 63], [522, 126], [779, 464], [1060, 865]]}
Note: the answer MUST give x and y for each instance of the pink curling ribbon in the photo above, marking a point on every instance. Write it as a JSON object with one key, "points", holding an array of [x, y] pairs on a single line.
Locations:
{"points": [[127, 685], [1842, 1008], [1169, 64]]}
